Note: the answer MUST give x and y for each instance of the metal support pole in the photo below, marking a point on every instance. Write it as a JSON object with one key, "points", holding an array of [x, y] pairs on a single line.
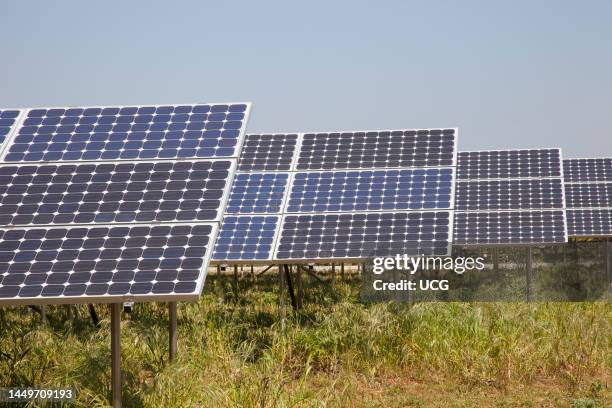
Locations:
{"points": [[172, 330], [68, 309], [290, 286], [93, 314], [608, 249], [43, 314], [342, 271], [529, 275], [281, 298], [333, 273], [300, 287], [252, 272], [116, 353], [496, 260], [235, 283]]}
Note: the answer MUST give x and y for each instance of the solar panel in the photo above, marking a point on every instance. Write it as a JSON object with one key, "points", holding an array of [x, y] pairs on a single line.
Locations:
{"points": [[377, 149], [509, 164], [509, 197], [508, 194], [102, 263], [361, 235], [588, 195], [509, 227], [411, 189], [589, 222], [268, 152], [128, 133], [257, 193], [8, 118], [590, 170], [246, 238]]}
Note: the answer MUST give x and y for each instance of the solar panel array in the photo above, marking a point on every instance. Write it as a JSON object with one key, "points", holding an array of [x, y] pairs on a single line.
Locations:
{"points": [[112, 204], [347, 195], [510, 197], [8, 119], [588, 193]]}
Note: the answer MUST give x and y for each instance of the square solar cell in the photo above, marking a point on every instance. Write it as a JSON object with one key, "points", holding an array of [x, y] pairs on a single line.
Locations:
{"points": [[588, 195], [377, 149], [47, 194], [367, 190], [268, 152], [8, 118], [246, 238], [130, 133], [587, 170], [535, 163], [519, 194], [364, 235], [103, 264], [257, 193], [510, 227], [589, 222]]}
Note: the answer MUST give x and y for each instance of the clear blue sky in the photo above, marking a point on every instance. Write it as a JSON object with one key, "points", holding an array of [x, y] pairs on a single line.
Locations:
{"points": [[510, 74]]}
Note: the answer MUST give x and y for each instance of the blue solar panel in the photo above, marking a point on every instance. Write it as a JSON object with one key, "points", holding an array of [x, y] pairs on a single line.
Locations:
{"points": [[588, 170], [7, 121], [268, 152], [129, 133], [246, 238], [45, 194], [371, 190], [505, 164], [257, 193], [589, 222], [106, 263]]}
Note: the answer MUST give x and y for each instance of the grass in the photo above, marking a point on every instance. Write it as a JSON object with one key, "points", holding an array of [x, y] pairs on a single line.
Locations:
{"points": [[336, 352]]}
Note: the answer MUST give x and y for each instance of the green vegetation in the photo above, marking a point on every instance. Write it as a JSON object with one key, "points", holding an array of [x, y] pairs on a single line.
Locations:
{"points": [[335, 352]]}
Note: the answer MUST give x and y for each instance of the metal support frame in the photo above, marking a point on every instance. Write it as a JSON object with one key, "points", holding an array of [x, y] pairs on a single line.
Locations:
{"points": [[116, 353], [43, 314], [290, 286], [93, 314], [300, 288], [265, 270], [333, 273], [235, 284], [172, 335], [68, 309], [529, 274], [342, 272], [281, 298], [608, 249]]}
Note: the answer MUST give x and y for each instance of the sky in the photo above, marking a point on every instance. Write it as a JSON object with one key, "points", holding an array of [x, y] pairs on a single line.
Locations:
{"points": [[518, 74]]}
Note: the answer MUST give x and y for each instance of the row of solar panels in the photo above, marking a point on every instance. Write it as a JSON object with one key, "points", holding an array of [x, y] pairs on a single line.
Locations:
{"points": [[103, 202]]}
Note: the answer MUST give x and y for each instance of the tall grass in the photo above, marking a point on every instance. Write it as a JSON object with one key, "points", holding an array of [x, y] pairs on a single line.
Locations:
{"points": [[332, 353]]}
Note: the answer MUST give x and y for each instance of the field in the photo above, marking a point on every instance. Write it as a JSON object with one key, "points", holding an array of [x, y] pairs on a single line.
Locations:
{"points": [[336, 352]]}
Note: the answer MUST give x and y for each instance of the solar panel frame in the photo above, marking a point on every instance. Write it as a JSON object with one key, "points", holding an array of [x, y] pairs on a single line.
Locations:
{"points": [[512, 178], [26, 111], [59, 300]]}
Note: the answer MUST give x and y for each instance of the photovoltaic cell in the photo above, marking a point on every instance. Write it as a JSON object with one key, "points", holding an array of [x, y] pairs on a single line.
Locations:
{"points": [[587, 170], [7, 121], [268, 152], [354, 235], [113, 192], [519, 194], [246, 238], [257, 193], [509, 164], [367, 190], [588, 195], [128, 133], [509, 227], [589, 222], [377, 149], [101, 262]]}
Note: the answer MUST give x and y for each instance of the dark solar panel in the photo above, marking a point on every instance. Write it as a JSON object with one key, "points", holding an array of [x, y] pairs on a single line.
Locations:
{"points": [[377, 149], [246, 238], [354, 235], [509, 164], [589, 222], [509, 227], [128, 133], [519, 194], [588, 195], [68, 263], [8, 118], [257, 193], [589, 170], [113, 192], [268, 152], [369, 190]]}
